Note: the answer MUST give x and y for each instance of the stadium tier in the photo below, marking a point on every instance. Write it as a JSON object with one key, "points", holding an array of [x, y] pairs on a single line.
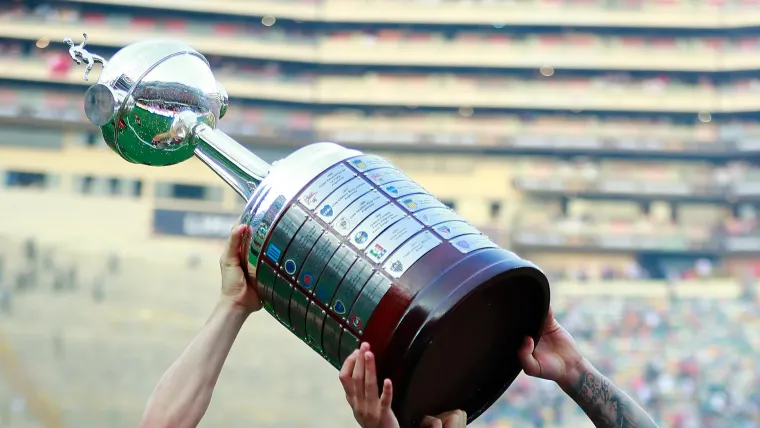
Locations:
{"points": [[636, 13], [614, 143]]}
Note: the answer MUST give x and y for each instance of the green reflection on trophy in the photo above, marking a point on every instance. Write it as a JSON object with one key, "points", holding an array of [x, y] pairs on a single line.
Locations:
{"points": [[158, 103]]}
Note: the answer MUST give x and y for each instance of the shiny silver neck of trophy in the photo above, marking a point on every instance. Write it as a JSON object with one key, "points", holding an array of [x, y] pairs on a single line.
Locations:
{"points": [[158, 103]]}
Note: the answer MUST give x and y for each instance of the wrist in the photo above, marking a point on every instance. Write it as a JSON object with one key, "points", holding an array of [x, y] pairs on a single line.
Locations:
{"points": [[229, 306], [573, 372]]}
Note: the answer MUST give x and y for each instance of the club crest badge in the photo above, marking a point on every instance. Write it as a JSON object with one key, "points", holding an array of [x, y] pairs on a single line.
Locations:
{"points": [[326, 211], [361, 237]]}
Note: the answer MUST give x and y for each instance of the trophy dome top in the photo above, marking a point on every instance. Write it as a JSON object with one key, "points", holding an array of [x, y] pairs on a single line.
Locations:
{"points": [[133, 61], [149, 96]]}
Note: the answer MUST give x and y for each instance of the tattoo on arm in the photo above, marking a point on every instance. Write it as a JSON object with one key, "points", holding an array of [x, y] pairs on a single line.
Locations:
{"points": [[606, 405]]}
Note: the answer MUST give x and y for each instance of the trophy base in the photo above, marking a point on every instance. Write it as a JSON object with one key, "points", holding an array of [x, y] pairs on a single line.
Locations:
{"points": [[464, 337]]}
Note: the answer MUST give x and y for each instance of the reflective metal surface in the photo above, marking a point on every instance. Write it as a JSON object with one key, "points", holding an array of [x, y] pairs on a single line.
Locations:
{"points": [[334, 233], [286, 180], [80, 55], [158, 103], [343, 243]]}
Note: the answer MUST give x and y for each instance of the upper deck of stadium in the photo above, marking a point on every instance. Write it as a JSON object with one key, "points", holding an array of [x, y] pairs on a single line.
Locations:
{"points": [[424, 48], [695, 14]]}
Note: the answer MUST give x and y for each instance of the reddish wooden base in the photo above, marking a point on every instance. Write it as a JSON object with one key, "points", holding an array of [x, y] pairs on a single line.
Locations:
{"points": [[447, 334]]}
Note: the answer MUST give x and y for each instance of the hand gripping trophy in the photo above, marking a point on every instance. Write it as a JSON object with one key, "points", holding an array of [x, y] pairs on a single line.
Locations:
{"points": [[346, 247]]}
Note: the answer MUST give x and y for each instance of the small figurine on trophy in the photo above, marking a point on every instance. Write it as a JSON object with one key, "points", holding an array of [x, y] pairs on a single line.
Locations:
{"points": [[79, 54]]}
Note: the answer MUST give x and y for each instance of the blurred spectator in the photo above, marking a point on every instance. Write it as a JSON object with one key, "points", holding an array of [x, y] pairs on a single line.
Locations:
{"points": [[114, 264], [5, 300], [98, 290]]}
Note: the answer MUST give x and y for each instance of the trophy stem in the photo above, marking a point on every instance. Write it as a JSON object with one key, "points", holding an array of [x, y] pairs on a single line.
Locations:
{"points": [[235, 164]]}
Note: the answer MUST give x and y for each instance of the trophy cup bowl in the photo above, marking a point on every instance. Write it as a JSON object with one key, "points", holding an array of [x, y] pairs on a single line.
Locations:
{"points": [[346, 248]]}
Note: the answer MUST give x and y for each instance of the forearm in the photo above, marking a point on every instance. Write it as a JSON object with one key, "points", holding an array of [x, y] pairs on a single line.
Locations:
{"points": [[184, 392], [603, 402]]}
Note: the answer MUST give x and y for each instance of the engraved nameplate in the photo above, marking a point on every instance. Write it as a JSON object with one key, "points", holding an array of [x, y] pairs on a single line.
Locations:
{"points": [[402, 188], [368, 162], [419, 202], [385, 175], [358, 211], [368, 299], [350, 287], [453, 229], [300, 246], [436, 215], [392, 238], [284, 232], [346, 194], [348, 343], [315, 321], [370, 228], [281, 300], [333, 274], [317, 260], [470, 243], [410, 252], [331, 341], [324, 185], [299, 304], [265, 279]]}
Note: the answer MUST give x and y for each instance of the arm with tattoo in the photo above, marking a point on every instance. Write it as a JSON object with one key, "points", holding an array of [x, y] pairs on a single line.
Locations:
{"points": [[604, 403], [556, 358]]}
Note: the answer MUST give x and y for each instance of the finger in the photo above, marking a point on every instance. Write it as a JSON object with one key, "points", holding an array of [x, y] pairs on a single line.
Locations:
{"points": [[549, 318], [345, 376], [454, 419], [231, 251], [527, 360], [386, 399], [462, 419], [431, 422], [358, 374], [245, 245], [370, 381]]}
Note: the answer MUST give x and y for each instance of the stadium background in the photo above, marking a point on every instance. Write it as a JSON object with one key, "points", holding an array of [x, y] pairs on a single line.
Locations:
{"points": [[613, 142]]}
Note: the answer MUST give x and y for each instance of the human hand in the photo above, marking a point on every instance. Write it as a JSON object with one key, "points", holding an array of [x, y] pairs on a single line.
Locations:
{"points": [[359, 379], [235, 277], [555, 356], [454, 419]]}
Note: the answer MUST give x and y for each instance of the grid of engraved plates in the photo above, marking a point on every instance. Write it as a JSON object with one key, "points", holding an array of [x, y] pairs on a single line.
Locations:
{"points": [[334, 254]]}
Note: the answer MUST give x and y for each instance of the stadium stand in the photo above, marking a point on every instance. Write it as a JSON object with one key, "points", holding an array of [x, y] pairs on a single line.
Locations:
{"points": [[684, 349], [614, 143]]}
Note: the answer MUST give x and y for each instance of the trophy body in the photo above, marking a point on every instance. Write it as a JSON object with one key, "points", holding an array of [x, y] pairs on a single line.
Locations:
{"points": [[346, 248]]}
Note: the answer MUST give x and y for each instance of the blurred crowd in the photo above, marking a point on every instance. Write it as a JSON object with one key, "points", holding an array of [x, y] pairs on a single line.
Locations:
{"points": [[300, 32], [404, 125], [691, 362], [35, 267], [671, 178], [639, 213]]}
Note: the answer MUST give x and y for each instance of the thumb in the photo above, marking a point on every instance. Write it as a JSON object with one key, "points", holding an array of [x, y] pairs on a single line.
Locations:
{"points": [[455, 419], [431, 422], [529, 363], [231, 255]]}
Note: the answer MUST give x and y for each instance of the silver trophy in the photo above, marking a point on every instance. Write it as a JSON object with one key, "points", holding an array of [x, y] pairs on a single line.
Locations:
{"points": [[346, 248]]}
